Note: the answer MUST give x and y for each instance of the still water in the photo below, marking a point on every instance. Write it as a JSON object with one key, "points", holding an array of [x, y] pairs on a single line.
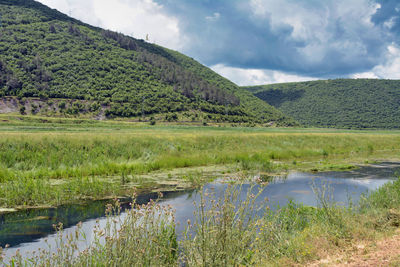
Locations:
{"points": [[29, 230]]}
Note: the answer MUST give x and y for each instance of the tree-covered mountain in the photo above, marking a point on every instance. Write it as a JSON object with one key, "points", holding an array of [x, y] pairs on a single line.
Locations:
{"points": [[48, 55], [343, 103]]}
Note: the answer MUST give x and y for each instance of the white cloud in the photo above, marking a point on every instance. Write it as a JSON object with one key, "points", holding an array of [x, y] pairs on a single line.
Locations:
{"points": [[214, 17], [368, 75], [135, 18], [389, 70], [390, 22], [323, 36], [244, 77], [322, 26], [61, 5]]}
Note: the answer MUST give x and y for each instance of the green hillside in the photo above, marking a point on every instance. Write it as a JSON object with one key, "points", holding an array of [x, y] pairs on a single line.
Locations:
{"points": [[344, 103], [48, 55]]}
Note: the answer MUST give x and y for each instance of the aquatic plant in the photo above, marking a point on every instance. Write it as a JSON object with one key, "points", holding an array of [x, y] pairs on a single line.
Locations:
{"points": [[97, 160]]}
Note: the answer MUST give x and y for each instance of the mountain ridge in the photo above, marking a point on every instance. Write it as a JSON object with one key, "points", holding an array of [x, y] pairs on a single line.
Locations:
{"points": [[340, 103]]}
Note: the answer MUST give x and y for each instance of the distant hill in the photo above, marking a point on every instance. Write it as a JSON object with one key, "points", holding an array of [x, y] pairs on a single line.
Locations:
{"points": [[79, 68], [344, 103]]}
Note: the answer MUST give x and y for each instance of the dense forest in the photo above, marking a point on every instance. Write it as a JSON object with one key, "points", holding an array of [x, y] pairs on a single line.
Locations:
{"points": [[48, 55], [341, 103]]}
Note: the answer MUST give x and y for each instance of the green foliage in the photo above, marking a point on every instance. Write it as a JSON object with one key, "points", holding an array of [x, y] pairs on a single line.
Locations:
{"points": [[53, 160], [171, 117], [340, 103], [225, 230], [145, 236], [62, 105], [22, 110], [228, 230], [152, 121], [46, 54]]}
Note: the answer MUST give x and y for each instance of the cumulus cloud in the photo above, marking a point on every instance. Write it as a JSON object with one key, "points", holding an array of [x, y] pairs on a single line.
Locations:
{"points": [[137, 18], [390, 69], [388, 16], [309, 38], [261, 41], [244, 77]]}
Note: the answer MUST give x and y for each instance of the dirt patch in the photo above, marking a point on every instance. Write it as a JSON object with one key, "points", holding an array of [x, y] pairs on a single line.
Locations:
{"points": [[49, 107], [385, 252], [8, 105]]}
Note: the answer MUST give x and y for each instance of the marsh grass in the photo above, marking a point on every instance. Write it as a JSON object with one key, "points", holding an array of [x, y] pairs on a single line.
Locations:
{"points": [[220, 222], [381, 209], [24, 191], [228, 230], [144, 236], [34, 158]]}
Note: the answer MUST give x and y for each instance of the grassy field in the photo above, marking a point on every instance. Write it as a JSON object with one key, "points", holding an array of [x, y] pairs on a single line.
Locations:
{"points": [[51, 161]]}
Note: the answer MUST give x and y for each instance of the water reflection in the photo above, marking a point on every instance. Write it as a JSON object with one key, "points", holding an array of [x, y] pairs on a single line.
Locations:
{"points": [[30, 225], [26, 230]]}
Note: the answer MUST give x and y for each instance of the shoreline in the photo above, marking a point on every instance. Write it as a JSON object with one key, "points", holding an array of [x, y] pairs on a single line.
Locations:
{"points": [[183, 185]]}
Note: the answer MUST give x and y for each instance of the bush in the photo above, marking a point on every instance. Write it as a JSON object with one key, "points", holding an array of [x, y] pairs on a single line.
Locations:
{"points": [[171, 117], [34, 109], [22, 110], [62, 105], [94, 107]]}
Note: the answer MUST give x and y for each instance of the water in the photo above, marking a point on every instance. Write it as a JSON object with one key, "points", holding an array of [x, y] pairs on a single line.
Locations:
{"points": [[27, 231]]}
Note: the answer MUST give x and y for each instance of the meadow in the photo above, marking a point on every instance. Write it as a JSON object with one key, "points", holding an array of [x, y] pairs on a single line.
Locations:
{"points": [[52, 161]]}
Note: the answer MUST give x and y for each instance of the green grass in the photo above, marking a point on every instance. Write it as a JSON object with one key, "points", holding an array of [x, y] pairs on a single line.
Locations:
{"points": [[229, 232], [71, 159]]}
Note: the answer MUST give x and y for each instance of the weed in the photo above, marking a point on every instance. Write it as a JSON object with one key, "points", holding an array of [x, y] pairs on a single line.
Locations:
{"points": [[225, 232]]}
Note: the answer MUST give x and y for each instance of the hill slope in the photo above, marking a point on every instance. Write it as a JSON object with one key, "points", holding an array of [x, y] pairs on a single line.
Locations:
{"points": [[344, 103], [46, 54]]}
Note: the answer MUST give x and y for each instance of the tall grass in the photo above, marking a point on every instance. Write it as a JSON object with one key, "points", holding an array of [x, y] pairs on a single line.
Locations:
{"points": [[212, 239], [35, 158], [227, 232], [145, 236], [33, 192]]}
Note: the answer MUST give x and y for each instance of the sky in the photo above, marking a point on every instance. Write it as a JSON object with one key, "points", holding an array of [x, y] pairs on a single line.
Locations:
{"points": [[254, 42]]}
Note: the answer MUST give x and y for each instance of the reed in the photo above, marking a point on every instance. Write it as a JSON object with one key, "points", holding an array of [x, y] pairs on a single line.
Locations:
{"points": [[226, 232], [36, 165]]}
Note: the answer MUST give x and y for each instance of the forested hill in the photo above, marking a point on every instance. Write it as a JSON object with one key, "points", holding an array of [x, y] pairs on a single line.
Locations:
{"points": [[344, 103], [48, 55]]}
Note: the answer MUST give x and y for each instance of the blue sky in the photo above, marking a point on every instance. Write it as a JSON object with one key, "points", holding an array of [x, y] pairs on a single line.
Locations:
{"points": [[262, 41]]}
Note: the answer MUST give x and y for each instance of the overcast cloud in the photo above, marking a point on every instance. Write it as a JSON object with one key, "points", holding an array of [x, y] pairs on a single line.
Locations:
{"points": [[261, 41]]}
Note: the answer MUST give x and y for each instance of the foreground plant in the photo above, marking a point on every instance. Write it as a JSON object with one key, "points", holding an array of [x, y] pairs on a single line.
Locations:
{"points": [[143, 236], [231, 227], [225, 229]]}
